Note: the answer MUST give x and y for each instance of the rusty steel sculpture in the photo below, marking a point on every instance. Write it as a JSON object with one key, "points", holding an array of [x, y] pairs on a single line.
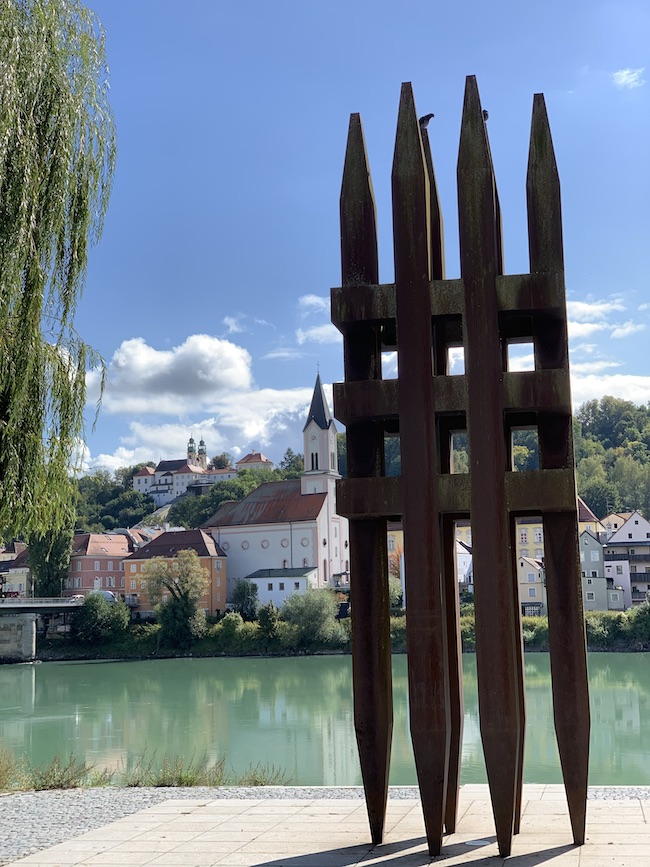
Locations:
{"points": [[423, 315]]}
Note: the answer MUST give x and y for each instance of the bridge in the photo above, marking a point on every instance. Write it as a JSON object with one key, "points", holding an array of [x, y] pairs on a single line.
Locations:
{"points": [[39, 604]]}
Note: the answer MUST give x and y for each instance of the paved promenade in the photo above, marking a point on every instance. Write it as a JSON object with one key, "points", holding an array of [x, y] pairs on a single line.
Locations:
{"points": [[304, 828]]}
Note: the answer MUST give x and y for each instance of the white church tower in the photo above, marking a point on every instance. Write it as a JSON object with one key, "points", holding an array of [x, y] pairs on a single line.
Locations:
{"points": [[319, 436]]}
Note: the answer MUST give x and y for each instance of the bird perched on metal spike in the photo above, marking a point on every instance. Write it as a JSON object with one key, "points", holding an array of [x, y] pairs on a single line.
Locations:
{"points": [[485, 114], [424, 121]]}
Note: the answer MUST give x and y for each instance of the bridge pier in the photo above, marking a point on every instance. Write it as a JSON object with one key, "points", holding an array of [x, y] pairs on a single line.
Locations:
{"points": [[17, 637]]}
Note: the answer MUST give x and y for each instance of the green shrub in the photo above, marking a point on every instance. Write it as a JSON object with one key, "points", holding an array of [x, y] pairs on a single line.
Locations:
{"points": [[604, 629], [314, 615], [99, 620], [535, 632], [636, 626], [398, 634], [468, 634]]}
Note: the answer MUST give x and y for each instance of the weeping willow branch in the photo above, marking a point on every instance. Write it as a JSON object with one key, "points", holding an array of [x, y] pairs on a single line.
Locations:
{"points": [[57, 154]]}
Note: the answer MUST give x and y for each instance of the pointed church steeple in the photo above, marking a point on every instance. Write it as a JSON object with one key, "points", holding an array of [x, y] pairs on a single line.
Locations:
{"points": [[319, 435], [319, 411], [191, 451]]}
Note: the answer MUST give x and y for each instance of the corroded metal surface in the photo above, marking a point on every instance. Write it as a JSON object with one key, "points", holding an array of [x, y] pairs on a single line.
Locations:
{"points": [[424, 315]]}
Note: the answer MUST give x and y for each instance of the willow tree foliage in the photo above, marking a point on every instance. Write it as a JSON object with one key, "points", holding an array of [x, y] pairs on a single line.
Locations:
{"points": [[57, 152]]}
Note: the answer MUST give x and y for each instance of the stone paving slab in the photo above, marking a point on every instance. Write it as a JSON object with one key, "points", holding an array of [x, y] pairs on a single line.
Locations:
{"points": [[320, 832]]}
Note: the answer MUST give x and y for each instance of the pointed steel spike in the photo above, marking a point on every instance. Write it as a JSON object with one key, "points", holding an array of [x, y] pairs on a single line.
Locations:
{"points": [[543, 195], [428, 669], [369, 596], [498, 640]]}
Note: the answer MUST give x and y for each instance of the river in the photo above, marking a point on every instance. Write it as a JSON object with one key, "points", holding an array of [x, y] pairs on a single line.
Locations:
{"points": [[295, 714]]}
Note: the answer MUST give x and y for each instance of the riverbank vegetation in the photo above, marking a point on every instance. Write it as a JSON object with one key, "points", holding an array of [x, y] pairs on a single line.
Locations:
{"points": [[309, 625], [19, 775]]}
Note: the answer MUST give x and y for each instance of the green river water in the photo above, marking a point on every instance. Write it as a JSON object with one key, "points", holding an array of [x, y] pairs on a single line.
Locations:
{"points": [[295, 714]]}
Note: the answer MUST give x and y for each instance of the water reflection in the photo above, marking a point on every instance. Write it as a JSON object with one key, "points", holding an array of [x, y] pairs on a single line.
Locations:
{"points": [[296, 714]]}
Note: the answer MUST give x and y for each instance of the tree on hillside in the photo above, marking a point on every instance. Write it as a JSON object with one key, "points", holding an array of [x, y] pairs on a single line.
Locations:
{"points": [[124, 475], [184, 581], [313, 614], [49, 559], [57, 151], [104, 504], [220, 462], [194, 511], [292, 465]]}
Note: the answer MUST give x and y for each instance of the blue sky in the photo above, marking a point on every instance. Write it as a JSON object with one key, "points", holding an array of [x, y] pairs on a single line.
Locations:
{"points": [[208, 295]]}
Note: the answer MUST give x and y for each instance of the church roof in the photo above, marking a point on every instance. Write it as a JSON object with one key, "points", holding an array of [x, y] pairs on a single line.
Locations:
{"points": [[319, 410], [270, 503], [170, 466]]}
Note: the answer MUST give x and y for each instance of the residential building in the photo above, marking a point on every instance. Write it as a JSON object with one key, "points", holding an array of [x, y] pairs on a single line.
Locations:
{"points": [[291, 524], [15, 575], [96, 561], [276, 585], [592, 568], [532, 587], [254, 461], [614, 522], [630, 543], [167, 545]]}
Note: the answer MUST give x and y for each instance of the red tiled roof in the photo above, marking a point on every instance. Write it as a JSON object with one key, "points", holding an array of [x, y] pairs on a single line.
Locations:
{"points": [[253, 458], [145, 471], [170, 543], [104, 544], [190, 468], [584, 512], [271, 503]]}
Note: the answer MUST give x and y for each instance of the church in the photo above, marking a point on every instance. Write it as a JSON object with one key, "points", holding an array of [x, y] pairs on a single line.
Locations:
{"points": [[286, 536]]}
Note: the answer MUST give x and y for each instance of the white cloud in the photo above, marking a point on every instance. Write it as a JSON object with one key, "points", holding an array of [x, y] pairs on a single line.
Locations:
{"points": [[627, 328], [521, 362], [584, 329], [314, 303], [233, 324], [627, 79], [283, 355], [318, 334], [644, 306], [592, 311], [587, 367], [593, 386], [141, 379]]}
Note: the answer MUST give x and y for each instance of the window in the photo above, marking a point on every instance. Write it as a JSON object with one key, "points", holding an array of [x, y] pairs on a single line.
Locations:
{"points": [[538, 535], [78, 565], [218, 565], [531, 577], [614, 597], [77, 583], [269, 586], [590, 596], [582, 556], [532, 592], [594, 556], [281, 585], [629, 535], [391, 543], [68, 583], [332, 461], [314, 461], [122, 581], [296, 585], [619, 570], [110, 581], [109, 565], [134, 583], [538, 553], [98, 565], [523, 537], [133, 567], [588, 580], [218, 582], [285, 564], [304, 561], [594, 574]]}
